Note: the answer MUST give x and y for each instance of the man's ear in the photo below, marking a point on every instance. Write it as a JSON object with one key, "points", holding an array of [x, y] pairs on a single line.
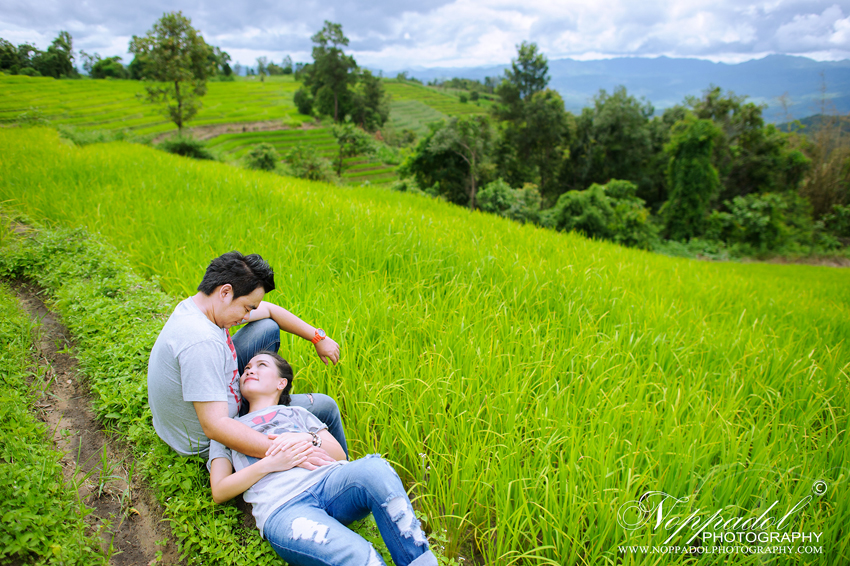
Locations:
{"points": [[225, 291]]}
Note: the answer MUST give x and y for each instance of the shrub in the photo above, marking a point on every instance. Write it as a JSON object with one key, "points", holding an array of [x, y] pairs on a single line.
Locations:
{"points": [[263, 157], [303, 101], [517, 204], [305, 163], [87, 137], [463, 97], [762, 223], [837, 222], [609, 212], [187, 147]]}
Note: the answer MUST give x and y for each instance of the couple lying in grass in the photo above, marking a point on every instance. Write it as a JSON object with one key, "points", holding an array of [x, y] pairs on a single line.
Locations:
{"points": [[230, 400]]}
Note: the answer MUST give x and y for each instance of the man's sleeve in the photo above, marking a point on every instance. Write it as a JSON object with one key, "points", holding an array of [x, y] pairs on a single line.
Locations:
{"points": [[202, 371]]}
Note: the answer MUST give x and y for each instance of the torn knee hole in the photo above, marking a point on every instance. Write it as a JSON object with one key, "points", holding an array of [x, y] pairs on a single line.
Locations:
{"points": [[304, 528], [401, 513]]}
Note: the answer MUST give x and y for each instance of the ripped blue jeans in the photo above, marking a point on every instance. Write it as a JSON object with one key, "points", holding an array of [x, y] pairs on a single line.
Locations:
{"points": [[310, 529]]}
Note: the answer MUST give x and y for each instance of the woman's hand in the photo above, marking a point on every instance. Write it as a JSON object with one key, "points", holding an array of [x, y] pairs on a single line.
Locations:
{"points": [[289, 455], [286, 439]]}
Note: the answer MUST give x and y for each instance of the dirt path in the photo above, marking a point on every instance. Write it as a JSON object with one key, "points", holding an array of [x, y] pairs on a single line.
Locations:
{"points": [[132, 518], [204, 133]]}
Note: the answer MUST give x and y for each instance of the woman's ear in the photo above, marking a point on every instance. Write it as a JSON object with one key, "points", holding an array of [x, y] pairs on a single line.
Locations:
{"points": [[282, 383]]}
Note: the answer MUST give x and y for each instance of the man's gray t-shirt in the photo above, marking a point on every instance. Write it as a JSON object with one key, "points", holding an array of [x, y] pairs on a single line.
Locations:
{"points": [[192, 360], [275, 489]]}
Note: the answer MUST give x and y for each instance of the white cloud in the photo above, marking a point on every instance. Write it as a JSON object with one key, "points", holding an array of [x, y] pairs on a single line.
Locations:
{"points": [[403, 33]]}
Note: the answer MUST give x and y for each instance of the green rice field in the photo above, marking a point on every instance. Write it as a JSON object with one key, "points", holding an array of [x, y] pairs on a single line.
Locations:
{"points": [[357, 169], [529, 386], [440, 100], [413, 115], [115, 104]]}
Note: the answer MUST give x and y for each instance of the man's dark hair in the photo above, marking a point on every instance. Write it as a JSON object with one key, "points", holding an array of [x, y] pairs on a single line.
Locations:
{"points": [[243, 272]]}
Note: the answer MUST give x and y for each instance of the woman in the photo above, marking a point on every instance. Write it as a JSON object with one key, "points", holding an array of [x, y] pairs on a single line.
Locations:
{"points": [[305, 494]]}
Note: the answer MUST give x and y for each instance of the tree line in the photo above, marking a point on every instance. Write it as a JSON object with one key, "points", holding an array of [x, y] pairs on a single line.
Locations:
{"points": [[709, 172]]}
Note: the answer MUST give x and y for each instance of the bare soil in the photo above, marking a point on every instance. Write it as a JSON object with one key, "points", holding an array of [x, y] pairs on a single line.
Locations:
{"points": [[126, 514], [204, 133]]}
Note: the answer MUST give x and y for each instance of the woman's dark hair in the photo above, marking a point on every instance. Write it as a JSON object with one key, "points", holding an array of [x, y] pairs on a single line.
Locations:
{"points": [[243, 272], [284, 370]]}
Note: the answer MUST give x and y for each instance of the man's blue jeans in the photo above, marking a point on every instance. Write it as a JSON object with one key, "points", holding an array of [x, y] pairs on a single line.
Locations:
{"points": [[265, 335], [310, 529]]}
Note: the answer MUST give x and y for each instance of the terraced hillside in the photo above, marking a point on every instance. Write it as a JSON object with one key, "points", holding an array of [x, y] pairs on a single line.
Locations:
{"points": [[357, 169], [443, 101], [115, 104]]}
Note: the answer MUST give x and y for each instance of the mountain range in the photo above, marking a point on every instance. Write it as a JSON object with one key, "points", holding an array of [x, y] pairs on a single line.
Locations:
{"points": [[666, 81]]}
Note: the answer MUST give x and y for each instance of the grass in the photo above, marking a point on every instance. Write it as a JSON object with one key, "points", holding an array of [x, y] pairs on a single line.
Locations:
{"points": [[444, 101], [527, 384], [43, 519], [413, 115], [115, 105], [321, 140]]}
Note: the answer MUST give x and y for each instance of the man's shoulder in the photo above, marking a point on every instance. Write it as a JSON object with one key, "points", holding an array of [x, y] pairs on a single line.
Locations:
{"points": [[188, 325]]}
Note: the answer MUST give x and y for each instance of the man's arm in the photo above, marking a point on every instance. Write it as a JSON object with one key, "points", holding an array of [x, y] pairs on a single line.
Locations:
{"points": [[230, 432], [327, 349]]}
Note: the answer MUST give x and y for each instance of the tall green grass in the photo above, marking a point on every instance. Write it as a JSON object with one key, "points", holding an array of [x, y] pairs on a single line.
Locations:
{"points": [[526, 383], [116, 104]]}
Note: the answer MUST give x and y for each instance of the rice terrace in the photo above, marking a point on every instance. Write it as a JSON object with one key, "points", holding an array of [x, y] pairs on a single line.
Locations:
{"points": [[547, 394]]}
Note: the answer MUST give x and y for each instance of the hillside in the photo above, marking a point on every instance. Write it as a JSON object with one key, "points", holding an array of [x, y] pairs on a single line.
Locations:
{"points": [[527, 384]]}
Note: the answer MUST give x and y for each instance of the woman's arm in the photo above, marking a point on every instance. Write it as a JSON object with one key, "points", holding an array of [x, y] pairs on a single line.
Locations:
{"points": [[226, 485]]}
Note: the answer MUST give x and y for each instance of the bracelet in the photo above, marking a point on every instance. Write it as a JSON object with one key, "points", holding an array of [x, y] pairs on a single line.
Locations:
{"points": [[317, 440]]}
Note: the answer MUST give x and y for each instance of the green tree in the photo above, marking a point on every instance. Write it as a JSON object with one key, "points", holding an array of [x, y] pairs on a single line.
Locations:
{"points": [[110, 67], [332, 72], [471, 140], [287, 65], [692, 178], [370, 104], [529, 72], [58, 60], [750, 157], [177, 59], [351, 141], [612, 141]]}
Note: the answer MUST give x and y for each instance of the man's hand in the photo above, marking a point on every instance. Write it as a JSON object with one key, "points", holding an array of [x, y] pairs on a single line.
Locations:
{"points": [[328, 350]]}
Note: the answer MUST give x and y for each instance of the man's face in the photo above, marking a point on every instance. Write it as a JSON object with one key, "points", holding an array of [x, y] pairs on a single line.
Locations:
{"points": [[234, 311]]}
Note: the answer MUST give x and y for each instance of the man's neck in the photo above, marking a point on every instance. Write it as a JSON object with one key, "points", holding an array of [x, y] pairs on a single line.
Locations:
{"points": [[204, 304]]}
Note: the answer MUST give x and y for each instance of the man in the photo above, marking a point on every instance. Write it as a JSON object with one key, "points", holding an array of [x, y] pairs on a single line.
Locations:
{"points": [[194, 367]]}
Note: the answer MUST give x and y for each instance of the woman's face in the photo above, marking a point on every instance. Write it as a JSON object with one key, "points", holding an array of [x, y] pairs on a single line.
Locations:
{"points": [[260, 376]]}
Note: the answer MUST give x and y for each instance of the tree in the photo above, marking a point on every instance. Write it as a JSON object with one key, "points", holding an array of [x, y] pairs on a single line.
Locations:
{"points": [[58, 60], [262, 67], [351, 141], [177, 59], [529, 72], [750, 157], [612, 141], [332, 72], [110, 67], [471, 140], [692, 178], [287, 65], [370, 104]]}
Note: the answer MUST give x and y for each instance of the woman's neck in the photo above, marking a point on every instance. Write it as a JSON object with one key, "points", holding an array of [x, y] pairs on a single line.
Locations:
{"points": [[260, 403]]}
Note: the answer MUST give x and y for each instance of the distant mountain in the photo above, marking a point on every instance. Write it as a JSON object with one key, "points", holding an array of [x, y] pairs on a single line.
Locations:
{"points": [[666, 81]]}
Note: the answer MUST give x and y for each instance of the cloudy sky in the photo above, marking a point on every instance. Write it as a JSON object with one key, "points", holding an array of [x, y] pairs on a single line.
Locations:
{"points": [[397, 34]]}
